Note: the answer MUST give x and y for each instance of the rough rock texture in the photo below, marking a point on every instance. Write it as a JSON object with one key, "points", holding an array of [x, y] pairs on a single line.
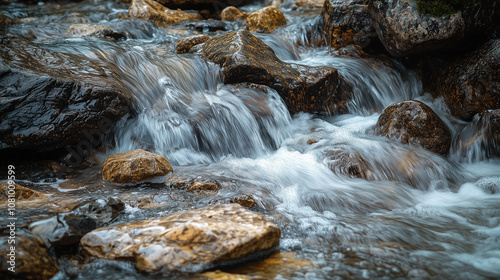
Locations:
{"points": [[480, 138], [191, 241], [50, 99], [134, 166], [413, 122], [265, 20], [159, 14], [245, 58], [185, 45], [203, 4], [32, 260], [193, 184], [309, 4], [20, 193], [349, 164], [232, 13], [403, 31], [6, 20], [469, 84], [84, 30], [69, 228], [346, 23]]}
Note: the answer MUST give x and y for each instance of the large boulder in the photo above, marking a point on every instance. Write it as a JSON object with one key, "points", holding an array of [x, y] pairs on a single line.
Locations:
{"points": [[159, 14], [346, 23], [51, 99], [413, 122], [187, 241], [469, 84], [245, 58], [404, 31], [134, 166], [30, 257], [265, 20]]}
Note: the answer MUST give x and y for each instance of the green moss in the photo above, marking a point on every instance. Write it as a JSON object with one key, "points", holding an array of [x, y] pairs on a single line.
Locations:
{"points": [[441, 8]]}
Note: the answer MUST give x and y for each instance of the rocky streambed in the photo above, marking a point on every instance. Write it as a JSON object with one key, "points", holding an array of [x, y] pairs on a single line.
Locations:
{"points": [[248, 140]]}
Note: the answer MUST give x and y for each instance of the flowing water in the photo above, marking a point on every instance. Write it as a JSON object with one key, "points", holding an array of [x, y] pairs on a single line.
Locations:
{"points": [[416, 215]]}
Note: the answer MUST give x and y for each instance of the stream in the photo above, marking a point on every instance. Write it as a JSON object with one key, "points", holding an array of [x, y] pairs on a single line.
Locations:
{"points": [[415, 214]]}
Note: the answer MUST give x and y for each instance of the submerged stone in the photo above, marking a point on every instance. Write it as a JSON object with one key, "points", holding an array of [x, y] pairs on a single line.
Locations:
{"points": [[413, 122], [265, 20], [159, 14], [102, 31], [134, 166], [188, 241], [245, 58], [348, 164]]}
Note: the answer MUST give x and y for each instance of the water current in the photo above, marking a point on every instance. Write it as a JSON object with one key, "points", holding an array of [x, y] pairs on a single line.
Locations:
{"points": [[417, 214]]}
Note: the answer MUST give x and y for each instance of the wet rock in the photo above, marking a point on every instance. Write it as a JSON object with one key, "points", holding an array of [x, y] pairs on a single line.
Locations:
{"points": [[18, 192], [265, 20], [403, 31], [6, 20], [309, 4], [134, 166], [470, 84], [159, 14], [479, 139], [69, 228], [193, 184], [69, 101], [232, 13], [244, 200], [348, 164], [350, 51], [187, 241], [346, 23], [203, 4], [185, 45], [413, 122], [245, 58], [102, 31], [32, 261], [208, 26]]}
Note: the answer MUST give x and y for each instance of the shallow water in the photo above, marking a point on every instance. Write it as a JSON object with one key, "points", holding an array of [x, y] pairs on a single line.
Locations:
{"points": [[416, 215]]}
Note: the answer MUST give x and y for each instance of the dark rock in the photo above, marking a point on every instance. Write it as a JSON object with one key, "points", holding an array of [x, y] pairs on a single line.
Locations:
{"points": [[265, 20], [185, 45], [309, 5], [413, 122], [6, 20], [18, 192], [134, 166], [403, 31], [348, 164], [211, 5], [159, 14], [188, 241], [245, 58], [50, 99], [346, 23], [244, 200], [208, 26], [32, 261], [69, 228], [469, 84], [232, 13], [102, 31]]}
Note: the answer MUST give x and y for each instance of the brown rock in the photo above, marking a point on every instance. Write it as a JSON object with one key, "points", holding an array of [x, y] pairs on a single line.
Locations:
{"points": [[245, 58], [348, 164], [134, 166], [193, 184], [84, 30], [346, 23], [19, 192], [413, 122], [470, 84], [244, 200], [310, 4], [211, 5], [186, 241], [159, 14], [185, 45], [32, 261], [265, 20], [6, 20], [232, 13]]}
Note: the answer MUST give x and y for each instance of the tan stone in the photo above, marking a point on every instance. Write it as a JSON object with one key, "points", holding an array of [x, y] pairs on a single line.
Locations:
{"points": [[185, 241], [185, 45], [20, 192], [159, 14], [232, 13], [265, 20], [134, 166]]}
